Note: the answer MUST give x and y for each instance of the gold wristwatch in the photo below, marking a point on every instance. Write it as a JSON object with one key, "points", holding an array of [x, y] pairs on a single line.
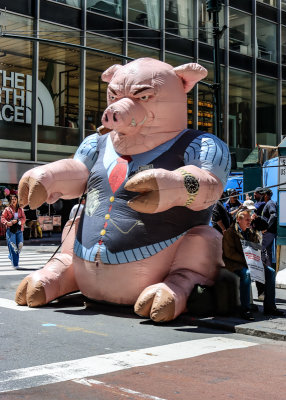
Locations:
{"points": [[192, 186]]}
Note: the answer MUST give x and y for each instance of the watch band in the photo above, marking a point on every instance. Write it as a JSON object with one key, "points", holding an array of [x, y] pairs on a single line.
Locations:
{"points": [[192, 186]]}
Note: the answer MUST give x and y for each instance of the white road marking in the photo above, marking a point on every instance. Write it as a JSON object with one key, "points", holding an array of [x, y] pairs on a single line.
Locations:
{"points": [[91, 382], [102, 364], [29, 261], [12, 305]]}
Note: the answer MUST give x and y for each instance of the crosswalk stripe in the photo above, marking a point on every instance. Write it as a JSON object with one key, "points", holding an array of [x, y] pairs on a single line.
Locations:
{"points": [[24, 378], [29, 261]]}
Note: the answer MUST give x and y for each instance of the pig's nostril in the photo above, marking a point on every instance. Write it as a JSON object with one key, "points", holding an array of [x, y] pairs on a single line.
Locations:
{"points": [[106, 118], [114, 118]]}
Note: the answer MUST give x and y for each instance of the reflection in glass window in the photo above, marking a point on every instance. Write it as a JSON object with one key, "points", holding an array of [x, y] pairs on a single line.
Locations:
{"points": [[240, 119], [283, 5], [111, 8], [144, 12], [59, 72], [284, 108], [95, 91], [240, 32], [74, 3], [283, 45], [179, 17], [16, 90], [272, 3], [266, 40], [205, 102], [141, 51], [206, 25], [266, 106]]}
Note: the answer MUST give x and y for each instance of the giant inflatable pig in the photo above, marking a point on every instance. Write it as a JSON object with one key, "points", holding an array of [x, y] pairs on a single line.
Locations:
{"points": [[143, 238]]}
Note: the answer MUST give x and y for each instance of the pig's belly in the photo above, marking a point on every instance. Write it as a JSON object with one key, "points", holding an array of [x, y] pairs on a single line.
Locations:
{"points": [[122, 283]]}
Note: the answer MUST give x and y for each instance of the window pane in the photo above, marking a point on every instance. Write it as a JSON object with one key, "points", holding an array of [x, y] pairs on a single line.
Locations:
{"points": [[266, 106], [16, 90], [206, 101], [144, 12], [283, 5], [58, 87], [140, 51], [283, 45], [240, 119], [240, 32], [111, 8], [266, 46], [74, 3], [206, 25], [284, 108], [96, 64], [179, 17], [272, 3]]}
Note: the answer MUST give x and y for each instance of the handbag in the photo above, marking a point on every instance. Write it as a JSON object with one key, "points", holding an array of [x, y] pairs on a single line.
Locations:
{"points": [[15, 228]]}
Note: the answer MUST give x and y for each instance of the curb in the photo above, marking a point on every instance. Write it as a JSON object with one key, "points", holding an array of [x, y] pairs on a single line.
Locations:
{"points": [[251, 329]]}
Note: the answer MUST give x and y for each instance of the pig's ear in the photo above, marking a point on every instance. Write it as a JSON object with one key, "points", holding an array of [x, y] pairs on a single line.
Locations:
{"points": [[190, 74], [108, 74]]}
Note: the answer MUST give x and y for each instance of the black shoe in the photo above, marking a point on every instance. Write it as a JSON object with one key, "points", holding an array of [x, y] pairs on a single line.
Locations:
{"points": [[247, 315], [274, 312], [253, 307]]}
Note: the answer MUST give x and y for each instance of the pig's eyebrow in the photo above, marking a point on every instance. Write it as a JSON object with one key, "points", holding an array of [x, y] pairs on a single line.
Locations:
{"points": [[142, 89], [112, 90]]}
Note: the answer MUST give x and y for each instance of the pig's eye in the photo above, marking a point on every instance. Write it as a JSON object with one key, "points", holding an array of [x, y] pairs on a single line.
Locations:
{"points": [[112, 97], [144, 98]]}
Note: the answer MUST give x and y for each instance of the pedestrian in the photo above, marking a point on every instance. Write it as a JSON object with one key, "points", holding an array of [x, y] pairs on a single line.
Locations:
{"points": [[78, 207], [269, 215], [234, 260], [232, 204], [13, 217], [220, 218], [259, 200]]}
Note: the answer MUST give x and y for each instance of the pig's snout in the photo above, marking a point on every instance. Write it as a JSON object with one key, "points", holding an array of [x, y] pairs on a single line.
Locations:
{"points": [[124, 113]]}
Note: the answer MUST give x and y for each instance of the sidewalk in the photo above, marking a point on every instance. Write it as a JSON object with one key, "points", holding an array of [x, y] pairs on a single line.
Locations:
{"points": [[263, 326]]}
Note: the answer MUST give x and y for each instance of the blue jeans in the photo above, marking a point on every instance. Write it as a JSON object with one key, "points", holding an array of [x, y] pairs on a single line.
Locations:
{"points": [[245, 287], [15, 244]]}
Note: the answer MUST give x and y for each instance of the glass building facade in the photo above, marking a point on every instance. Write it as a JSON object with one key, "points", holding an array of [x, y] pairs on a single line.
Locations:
{"points": [[52, 55]]}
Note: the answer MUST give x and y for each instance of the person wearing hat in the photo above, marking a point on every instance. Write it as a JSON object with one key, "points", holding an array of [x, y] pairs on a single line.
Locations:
{"points": [[234, 259], [259, 200], [232, 204]]}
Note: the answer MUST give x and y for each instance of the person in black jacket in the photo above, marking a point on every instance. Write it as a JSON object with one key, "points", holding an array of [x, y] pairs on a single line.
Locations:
{"points": [[220, 218], [269, 214]]}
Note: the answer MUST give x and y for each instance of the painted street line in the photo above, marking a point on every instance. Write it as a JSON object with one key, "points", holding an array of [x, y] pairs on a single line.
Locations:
{"points": [[24, 378], [28, 262], [12, 305], [92, 382]]}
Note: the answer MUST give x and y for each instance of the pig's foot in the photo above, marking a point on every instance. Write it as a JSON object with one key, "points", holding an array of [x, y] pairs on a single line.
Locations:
{"points": [[156, 302], [54, 280]]}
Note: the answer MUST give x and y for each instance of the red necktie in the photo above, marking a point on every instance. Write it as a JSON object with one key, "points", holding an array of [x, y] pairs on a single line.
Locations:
{"points": [[118, 173]]}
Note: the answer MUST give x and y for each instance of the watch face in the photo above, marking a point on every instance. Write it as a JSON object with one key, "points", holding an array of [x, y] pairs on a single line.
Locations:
{"points": [[191, 184]]}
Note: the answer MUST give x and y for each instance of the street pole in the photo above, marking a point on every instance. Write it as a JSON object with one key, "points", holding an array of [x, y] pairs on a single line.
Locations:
{"points": [[213, 8]]}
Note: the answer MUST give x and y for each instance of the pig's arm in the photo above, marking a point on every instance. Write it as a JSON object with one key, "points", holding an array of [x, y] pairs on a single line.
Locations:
{"points": [[61, 179], [207, 160]]}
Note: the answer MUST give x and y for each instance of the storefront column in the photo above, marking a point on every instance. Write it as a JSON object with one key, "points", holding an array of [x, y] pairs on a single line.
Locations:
{"points": [[35, 76]]}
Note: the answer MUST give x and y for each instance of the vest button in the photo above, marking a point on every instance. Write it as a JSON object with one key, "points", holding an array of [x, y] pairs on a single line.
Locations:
{"points": [[111, 199], [102, 232], [107, 216]]}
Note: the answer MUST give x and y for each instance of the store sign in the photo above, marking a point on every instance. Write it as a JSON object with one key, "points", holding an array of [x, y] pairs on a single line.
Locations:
{"points": [[16, 99], [282, 173]]}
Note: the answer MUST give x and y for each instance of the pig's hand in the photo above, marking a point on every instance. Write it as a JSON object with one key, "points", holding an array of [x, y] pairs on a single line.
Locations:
{"points": [[159, 190], [31, 189]]}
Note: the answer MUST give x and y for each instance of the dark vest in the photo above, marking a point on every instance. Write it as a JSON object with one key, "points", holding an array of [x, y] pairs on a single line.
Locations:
{"points": [[125, 228]]}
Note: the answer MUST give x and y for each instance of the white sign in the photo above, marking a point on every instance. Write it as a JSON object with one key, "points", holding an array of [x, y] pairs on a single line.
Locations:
{"points": [[252, 254], [16, 99], [282, 173]]}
